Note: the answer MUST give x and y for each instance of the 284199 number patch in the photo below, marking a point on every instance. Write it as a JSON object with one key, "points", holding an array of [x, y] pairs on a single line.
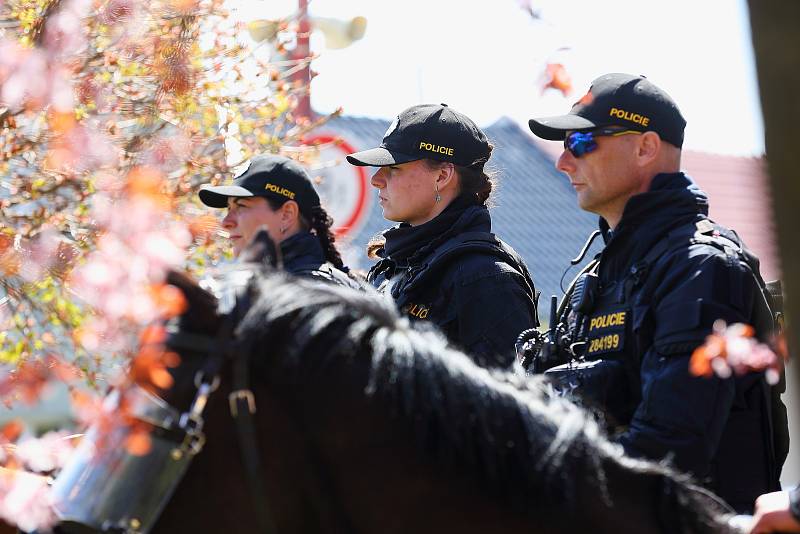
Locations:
{"points": [[605, 343], [607, 331]]}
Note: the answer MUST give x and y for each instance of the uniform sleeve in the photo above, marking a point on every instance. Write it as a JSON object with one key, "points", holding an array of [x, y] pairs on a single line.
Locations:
{"points": [[680, 415], [493, 308]]}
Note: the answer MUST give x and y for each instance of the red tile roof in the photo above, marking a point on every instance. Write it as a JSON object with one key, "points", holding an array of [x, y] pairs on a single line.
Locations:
{"points": [[739, 197]]}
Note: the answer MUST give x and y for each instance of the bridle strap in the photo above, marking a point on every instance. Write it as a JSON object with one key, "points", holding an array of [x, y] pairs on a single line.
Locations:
{"points": [[199, 342], [221, 348], [242, 405]]}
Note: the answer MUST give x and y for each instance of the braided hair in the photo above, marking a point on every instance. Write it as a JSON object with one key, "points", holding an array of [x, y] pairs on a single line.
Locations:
{"points": [[320, 225]]}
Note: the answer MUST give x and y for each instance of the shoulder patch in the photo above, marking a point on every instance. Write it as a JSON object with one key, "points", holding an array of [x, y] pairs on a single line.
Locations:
{"points": [[606, 331]]}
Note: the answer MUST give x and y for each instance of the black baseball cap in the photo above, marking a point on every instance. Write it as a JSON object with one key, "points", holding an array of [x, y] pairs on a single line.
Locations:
{"points": [[268, 176], [428, 131], [618, 100]]}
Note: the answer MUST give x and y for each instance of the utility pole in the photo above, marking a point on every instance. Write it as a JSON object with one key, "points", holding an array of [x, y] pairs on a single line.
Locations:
{"points": [[301, 53]]}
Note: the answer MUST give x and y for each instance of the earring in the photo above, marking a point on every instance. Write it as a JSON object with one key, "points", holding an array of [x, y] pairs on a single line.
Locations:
{"points": [[438, 197], [283, 230]]}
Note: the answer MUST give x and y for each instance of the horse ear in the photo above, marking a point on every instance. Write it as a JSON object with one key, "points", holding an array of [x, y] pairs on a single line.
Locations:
{"points": [[202, 304], [181, 280], [262, 249]]}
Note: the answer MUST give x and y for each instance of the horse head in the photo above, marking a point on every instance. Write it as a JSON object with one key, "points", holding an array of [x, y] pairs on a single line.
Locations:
{"points": [[106, 485], [367, 424], [203, 335]]}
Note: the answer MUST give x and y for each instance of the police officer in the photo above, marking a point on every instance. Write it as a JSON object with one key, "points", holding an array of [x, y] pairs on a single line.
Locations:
{"points": [[441, 263], [276, 192], [666, 274]]}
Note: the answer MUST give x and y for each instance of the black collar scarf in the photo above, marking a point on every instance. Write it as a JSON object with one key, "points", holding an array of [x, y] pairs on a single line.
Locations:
{"points": [[406, 243]]}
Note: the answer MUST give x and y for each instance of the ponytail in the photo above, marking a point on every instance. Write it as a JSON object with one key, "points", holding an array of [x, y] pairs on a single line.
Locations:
{"points": [[476, 184], [320, 225]]}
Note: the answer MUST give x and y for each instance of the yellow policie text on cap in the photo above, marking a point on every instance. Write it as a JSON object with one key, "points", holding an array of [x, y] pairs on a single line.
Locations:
{"points": [[436, 148], [280, 191], [628, 116]]}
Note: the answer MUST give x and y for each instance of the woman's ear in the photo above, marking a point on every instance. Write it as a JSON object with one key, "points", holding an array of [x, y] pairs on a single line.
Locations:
{"points": [[446, 177], [290, 212]]}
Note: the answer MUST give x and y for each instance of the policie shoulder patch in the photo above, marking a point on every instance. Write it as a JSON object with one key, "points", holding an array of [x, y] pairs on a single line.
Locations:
{"points": [[606, 332]]}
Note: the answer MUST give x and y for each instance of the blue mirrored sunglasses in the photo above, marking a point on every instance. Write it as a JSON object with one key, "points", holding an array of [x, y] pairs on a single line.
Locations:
{"points": [[580, 143]]}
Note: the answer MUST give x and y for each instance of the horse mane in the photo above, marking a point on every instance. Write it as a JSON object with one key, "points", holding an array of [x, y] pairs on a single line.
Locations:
{"points": [[523, 443]]}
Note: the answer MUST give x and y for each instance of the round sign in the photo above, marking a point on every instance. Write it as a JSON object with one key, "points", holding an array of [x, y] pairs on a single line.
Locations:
{"points": [[342, 187]]}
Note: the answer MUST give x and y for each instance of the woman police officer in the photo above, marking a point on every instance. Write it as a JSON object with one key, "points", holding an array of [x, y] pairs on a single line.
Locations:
{"points": [[442, 264], [276, 192]]}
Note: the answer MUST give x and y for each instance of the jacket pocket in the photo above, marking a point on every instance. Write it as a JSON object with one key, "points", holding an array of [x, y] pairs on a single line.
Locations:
{"points": [[678, 328]]}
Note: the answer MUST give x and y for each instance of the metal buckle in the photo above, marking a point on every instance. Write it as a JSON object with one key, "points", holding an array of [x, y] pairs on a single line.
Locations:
{"points": [[236, 396], [193, 441], [200, 379], [191, 423]]}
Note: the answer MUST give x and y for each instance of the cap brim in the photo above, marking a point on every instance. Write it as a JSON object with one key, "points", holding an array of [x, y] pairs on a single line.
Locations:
{"points": [[217, 197], [379, 157], [556, 128]]}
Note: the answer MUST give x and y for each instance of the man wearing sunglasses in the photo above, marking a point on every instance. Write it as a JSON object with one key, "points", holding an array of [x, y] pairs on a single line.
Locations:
{"points": [[666, 274]]}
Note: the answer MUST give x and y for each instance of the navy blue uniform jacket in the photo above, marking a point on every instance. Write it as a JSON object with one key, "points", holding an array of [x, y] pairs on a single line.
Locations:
{"points": [[471, 285], [303, 256], [715, 428]]}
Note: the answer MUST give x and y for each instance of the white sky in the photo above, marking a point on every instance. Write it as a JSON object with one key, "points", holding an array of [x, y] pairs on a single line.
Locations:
{"points": [[485, 59]]}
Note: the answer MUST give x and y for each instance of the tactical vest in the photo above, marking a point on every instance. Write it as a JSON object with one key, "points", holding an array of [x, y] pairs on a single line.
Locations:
{"points": [[608, 375], [411, 280]]}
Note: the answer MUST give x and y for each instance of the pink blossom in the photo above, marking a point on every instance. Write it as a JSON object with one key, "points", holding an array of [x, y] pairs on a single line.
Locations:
{"points": [[26, 501], [141, 242], [46, 453], [24, 74], [64, 35], [166, 249], [99, 272]]}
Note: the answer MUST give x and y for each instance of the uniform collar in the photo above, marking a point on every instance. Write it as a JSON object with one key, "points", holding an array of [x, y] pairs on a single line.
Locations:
{"points": [[301, 249], [462, 215], [671, 196]]}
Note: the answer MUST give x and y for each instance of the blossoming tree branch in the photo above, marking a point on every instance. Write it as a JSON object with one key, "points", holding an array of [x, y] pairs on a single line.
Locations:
{"points": [[111, 113]]}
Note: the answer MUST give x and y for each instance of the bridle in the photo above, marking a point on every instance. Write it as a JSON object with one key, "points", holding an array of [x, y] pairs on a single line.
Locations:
{"points": [[109, 489], [234, 303]]}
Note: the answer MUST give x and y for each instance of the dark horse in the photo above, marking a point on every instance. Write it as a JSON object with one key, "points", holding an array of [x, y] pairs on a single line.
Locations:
{"points": [[366, 424]]}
